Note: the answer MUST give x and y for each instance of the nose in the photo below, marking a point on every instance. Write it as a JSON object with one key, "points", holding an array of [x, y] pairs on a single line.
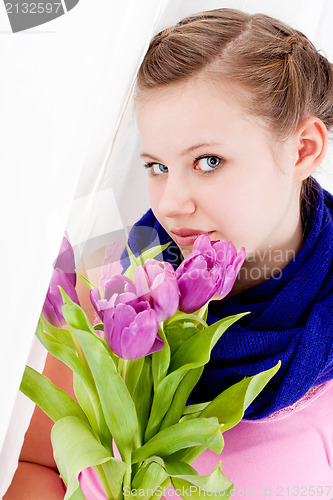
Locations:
{"points": [[176, 198]]}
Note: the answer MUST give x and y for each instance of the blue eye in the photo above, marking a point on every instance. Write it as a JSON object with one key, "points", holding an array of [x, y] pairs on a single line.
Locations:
{"points": [[208, 163], [156, 168]]}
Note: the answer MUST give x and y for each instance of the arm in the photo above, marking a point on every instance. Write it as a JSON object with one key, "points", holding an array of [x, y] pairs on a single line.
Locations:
{"points": [[37, 476], [37, 471]]}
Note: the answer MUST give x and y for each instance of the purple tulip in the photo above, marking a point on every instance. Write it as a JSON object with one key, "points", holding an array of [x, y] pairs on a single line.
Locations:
{"points": [[115, 286], [156, 282], [65, 276], [209, 271], [131, 328]]}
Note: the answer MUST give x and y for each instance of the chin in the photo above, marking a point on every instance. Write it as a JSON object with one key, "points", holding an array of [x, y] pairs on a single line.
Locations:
{"points": [[186, 251]]}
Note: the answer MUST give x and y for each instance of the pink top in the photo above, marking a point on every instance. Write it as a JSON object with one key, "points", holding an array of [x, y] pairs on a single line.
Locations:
{"points": [[287, 454]]}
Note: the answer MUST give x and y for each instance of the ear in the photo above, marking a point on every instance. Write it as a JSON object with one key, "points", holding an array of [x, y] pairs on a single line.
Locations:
{"points": [[310, 139]]}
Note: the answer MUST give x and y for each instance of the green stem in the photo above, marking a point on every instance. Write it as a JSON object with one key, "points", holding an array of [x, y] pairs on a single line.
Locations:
{"points": [[203, 310], [79, 351], [128, 473], [123, 369], [85, 364]]}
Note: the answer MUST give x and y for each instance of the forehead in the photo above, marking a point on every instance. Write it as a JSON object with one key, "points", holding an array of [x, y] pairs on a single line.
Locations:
{"points": [[196, 111]]}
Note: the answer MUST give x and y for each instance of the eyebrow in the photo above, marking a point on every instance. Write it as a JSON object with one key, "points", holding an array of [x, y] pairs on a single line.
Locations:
{"points": [[185, 151]]}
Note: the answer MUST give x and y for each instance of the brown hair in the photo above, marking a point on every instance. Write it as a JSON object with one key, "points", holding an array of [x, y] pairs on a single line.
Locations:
{"points": [[284, 76], [281, 77]]}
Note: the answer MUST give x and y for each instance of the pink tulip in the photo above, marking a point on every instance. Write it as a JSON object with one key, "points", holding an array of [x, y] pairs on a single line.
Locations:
{"points": [[115, 286], [156, 282], [65, 276], [131, 328], [209, 271]]}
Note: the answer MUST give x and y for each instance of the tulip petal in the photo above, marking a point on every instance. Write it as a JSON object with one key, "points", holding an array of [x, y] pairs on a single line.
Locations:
{"points": [[126, 298], [165, 295], [138, 339], [52, 308], [61, 279], [118, 284], [194, 262], [194, 293], [202, 244], [141, 283], [65, 261], [152, 271], [51, 314], [99, 304], [157, 345], [209, 271], [115, 321], [239, 260]]}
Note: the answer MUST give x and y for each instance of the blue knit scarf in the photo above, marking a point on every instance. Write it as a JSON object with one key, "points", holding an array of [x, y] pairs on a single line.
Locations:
{"points": [[291, 317]]}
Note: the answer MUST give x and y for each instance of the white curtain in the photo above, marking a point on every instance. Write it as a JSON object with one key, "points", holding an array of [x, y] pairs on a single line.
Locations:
{"points": [[70, 155]]}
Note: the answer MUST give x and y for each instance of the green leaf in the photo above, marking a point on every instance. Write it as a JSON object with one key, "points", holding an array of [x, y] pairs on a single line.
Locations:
{"points": [[160, 489], [178, 334], [203, 311], [77, 495], [140, 260], [84, 400], [201, 431], [89, 284], [175, 468], [148, 478], [76, 318], [118, 406], [93, 411], [134, 263], [151, 253], [192, 353], [142, 398], [52, 400], [61, 335], [161, 360], [195, 408], [230, 405], [182, 393], [69, 357], [75, 448], [188, 455], [196, 487], [99, 326], [133, 371], [190, 416], [180, 316], [114, 471], [196, 350], [162, 401]]}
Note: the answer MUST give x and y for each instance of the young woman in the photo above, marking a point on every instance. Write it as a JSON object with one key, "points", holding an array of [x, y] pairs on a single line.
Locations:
{"points": [[233, 112]]}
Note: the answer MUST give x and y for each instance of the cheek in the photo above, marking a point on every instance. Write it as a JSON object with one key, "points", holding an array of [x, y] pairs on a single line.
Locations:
{"points": [[155, 193], [238, 210]]}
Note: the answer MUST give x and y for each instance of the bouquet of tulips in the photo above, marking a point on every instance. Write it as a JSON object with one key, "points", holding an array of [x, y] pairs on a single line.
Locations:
{"points": [[134, 371]]}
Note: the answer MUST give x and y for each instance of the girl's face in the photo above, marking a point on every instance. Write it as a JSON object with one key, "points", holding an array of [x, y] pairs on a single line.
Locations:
{"points": [[213, 169]]}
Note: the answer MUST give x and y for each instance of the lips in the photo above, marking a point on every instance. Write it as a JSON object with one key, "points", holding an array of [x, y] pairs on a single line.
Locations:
{"points": [[186, 237]]}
